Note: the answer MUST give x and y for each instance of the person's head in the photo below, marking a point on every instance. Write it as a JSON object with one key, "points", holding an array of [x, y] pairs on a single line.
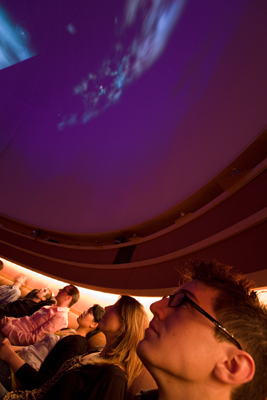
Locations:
{"points": [[89, 319], [43, 294], [1, 265], [124, 324], [67, 296], [97, 312], [187, 347], [20, 281]]}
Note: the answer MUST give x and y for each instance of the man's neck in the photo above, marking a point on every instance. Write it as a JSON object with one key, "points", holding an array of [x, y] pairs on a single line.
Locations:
{"points": [[63, 304], [82, 331], [171, 389]]}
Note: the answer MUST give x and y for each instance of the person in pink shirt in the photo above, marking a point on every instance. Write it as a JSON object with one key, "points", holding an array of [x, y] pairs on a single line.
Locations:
{"points": [[49, 319]]}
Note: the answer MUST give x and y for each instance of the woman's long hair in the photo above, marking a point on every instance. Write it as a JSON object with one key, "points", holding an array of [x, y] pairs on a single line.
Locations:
{"points": [[123, 350]]}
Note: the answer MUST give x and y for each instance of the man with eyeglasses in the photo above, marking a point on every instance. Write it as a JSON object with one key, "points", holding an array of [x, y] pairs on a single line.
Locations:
{"points": [[48, 319], [207, 340]]}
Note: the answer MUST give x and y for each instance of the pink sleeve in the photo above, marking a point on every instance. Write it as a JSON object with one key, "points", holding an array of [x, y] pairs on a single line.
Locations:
{"points": [[16, 337], [7, 329]]}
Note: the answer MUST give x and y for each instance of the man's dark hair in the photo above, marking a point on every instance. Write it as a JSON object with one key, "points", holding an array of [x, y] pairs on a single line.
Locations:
{"points": [[1, 265], [98, 312], [237, 307], [75, 294], [33, 292]]}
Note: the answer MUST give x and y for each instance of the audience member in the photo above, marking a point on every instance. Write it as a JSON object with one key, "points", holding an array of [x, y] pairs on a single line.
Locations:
{"points": [[191, 355], [62, 345], [98, 375], [29, 330], [9, 293], [32, 302]]}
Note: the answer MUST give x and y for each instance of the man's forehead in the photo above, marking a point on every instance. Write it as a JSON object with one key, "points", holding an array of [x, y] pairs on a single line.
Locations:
{"points": [[197, 289], [194, 284], [65, 287]]}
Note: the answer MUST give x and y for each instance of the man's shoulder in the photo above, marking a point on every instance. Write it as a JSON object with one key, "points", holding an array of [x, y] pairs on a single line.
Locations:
{"points": [[62, 310], [48, 307], [53, 310]]}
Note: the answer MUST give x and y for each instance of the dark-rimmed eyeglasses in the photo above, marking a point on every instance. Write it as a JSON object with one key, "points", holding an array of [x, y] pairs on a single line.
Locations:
{"points": [[177, 299]]}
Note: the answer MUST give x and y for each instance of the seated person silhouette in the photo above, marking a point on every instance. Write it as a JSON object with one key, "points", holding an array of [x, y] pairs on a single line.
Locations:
{"points": [[9, 293], [50, 353], [29, 330]]}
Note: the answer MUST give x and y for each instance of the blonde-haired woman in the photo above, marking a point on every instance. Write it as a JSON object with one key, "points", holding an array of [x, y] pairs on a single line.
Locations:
{"points": [[104, 375]]}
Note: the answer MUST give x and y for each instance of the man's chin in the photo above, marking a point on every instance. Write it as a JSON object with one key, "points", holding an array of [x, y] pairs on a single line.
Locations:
{"points": [[140, 349], [143, 351]]}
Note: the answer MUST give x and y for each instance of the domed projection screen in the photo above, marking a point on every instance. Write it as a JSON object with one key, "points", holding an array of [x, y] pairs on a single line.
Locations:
{"points": [[114, 111]]}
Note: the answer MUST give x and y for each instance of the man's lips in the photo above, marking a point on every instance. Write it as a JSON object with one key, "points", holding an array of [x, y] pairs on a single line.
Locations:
{"points": [[153, 327]]}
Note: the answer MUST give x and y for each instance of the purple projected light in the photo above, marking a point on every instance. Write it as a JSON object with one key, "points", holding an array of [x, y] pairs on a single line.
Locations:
{"points": [[129, 107], [152, 24]]}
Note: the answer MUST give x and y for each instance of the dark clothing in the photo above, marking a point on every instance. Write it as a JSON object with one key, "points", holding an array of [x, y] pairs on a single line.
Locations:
{"points": [[90, 382], [22, 307], [31, 294], [66, 348], [5, 375]]}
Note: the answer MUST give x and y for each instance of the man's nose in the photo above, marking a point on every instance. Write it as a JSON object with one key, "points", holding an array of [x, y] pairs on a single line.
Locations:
{"points": [[160, 308]]}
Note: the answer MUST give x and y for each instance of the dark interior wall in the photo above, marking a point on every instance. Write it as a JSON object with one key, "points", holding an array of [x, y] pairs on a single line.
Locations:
{"points": [[231, 229], [233, 209]]}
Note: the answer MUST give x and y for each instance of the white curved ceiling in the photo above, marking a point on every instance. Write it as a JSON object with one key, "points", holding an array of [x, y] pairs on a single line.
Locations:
{"points": [[121, 109]]}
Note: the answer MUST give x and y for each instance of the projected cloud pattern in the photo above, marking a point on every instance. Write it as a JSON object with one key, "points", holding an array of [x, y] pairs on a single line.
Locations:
{"points": [[152, 23], [14, 40]]}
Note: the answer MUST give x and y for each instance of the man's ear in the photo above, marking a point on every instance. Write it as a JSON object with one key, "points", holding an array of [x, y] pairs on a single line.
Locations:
{"points": [[94, 325], [236, 369], [69, 300]]}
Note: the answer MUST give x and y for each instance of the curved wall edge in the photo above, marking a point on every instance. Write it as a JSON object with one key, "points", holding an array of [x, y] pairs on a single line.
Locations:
{"points": [[242, 246]]}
